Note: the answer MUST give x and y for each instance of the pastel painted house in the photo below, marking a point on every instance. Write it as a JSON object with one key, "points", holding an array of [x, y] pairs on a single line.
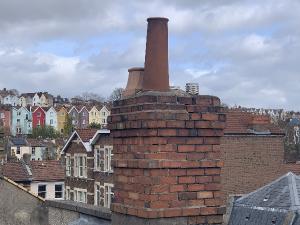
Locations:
{"points": [[94, 115], [42, 99], [38, 117], [51, 118], [104, 113], [26, 99], [83, 118], [62, 114], [5, 118], [21, 122], [11, 100], [74, 115]]}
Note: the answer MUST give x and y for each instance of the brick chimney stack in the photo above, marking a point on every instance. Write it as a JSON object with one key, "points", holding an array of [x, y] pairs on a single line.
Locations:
{"points": [[156, 75], [167, 166]]}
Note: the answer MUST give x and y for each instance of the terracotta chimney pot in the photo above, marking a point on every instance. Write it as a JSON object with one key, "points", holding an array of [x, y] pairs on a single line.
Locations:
{"points": [[156, 76]]}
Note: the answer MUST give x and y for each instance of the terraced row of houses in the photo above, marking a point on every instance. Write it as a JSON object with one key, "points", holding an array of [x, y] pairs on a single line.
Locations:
{"points": [[21, 120], [43, 99]]}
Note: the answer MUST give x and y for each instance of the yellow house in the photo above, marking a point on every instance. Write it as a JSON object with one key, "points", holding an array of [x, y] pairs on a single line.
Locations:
{"points": [[62, 113], [94, 115], [104, 113]]}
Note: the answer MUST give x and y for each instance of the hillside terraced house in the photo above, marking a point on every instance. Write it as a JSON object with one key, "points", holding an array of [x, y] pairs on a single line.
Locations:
{"points": [[42, 99], [88, 154], [51, 118], [12, 100], [94, 115], [18, 146], [26, 99], [104, 113], [38, 117], [62, 114], [74, 115], [5, 118], [21, 121]]}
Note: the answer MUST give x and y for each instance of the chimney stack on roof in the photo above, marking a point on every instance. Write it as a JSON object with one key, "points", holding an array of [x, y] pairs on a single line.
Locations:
{"points": [[156, 76]]}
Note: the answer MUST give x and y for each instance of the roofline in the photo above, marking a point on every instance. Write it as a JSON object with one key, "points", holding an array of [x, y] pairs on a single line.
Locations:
{"points": [[68, 141], [39, 107], [252, 134], [72, 108], [22, 188], [101, 131]]}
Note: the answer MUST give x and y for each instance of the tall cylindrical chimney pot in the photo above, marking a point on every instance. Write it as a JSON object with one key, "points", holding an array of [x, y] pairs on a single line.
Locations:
{"points": [[156, 76]]}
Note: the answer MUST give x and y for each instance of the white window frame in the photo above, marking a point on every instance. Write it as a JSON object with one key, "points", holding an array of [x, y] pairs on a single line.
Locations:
{"points": [[77, 192], [107, 158], [108, 194], [77, 167], [97, 197], [68, 165]]}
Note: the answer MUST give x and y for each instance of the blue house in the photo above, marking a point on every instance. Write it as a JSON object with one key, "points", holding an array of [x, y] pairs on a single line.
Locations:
{"points": [[21, 121]]}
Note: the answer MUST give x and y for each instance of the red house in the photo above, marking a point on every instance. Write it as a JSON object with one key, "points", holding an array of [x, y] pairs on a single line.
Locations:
{"points": [[5, 118], [38, 117]]}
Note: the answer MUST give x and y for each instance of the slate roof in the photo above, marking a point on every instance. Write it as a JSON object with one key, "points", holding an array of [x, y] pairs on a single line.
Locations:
{"points": [[18, 141], [275, 203], [239, 122]]}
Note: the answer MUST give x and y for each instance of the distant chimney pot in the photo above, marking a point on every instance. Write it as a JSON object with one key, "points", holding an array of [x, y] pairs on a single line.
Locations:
{"points": [[135, 81]]}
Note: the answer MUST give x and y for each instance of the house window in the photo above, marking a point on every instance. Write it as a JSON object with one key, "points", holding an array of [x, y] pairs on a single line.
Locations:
{"points": [[19, 131], [83, 113], [80, 167], [103, 113], [103, 157], [33, 151], [39, 123], [68, 165], [18, 150], [51, 113], [83, 121], [80, 195], [58, 191], [39, 114], [18, 113], [2, 116], [103, 120], [99, 195], [108, 194], [26, 117], [42, 190], [51, 122]]}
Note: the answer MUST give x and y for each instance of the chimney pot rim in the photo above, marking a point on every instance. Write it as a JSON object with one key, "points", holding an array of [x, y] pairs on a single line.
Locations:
{"points": [[158, 18], [136, 69]]}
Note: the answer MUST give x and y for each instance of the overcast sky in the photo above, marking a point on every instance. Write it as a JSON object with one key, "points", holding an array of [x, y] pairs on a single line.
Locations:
{"points": [[245, 52]]}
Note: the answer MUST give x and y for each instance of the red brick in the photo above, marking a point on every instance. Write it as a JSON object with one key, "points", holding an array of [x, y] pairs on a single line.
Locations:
{"points": [[205, 194], [186, 180], [186, 148], [195, 187], [177, 188]]}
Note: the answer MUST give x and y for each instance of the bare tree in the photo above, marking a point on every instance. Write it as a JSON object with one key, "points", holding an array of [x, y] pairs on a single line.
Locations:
{"points": [[88, 96], [116, 94]]}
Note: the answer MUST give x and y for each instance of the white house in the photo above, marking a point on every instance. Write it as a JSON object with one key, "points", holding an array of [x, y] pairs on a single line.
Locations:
{"points": [[51, 118], [19, 147], [11, 100], [43, 178], [104, 113]]}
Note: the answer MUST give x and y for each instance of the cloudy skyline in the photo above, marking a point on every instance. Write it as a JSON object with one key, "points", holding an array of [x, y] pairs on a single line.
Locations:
{"points": [[245, 52]]}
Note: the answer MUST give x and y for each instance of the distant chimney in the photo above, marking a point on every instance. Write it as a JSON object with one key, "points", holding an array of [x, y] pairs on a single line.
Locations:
{"points": [[135, 81], [156, 76]]}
